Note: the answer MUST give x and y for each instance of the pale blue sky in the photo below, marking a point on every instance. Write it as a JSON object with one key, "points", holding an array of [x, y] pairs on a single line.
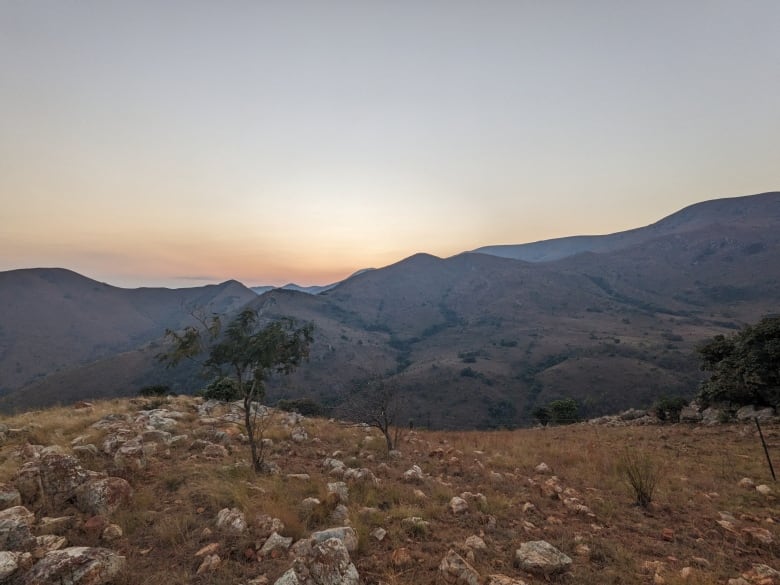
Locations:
{"points": [[147, 142]]}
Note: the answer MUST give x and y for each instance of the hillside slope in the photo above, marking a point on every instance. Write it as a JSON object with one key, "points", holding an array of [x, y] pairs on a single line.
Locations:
{"points": [[480, 341], [52, 319], [759, 211]]}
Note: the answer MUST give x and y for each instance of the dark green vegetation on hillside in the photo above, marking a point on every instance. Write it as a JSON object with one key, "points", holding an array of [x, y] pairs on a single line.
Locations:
{"points": [[481, 341], [745, 366]]}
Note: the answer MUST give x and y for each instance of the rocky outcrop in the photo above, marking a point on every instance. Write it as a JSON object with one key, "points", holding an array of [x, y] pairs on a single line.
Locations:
{"points": [[103, 496], [16, 529], [231, 521], [345, 534], [78, 565], [541, 558], [456, 570], [324, 563]]}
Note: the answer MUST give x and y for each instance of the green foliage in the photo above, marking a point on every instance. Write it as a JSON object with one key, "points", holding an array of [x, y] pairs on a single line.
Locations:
{"points": [[304, 406], [225, 389], [564, 411], [669, 408], [246, 352], [745, 366], [542, 414], [154, 390]]}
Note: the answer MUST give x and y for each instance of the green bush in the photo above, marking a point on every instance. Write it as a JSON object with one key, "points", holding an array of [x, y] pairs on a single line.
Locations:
{"points": [[745, 366], [225, 389], [564, 411], [304, 406], [669, 408]]}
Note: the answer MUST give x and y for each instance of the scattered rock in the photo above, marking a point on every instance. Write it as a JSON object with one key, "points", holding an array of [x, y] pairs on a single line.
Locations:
{"points": [[413, 474], [345, 534], [214, 451], [458, 505], [79, 565], [758, 535], [379, 534], [541, 558], [764, 489], [103, 496], [209, 564], [9, 496], [503, 580], [456, 570], [48, 543], [748, 413], [231, 521], [16, 529], [275, 545], [747, 483], [299, 435], [210, 549], [543, 469], [474, 542], [325, 563], [9, 562], [340, 490], [111, 533]]}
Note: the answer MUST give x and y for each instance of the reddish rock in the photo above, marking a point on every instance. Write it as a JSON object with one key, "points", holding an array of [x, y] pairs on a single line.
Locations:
{"points": [[16, 529], [79, 565], [103, 496]]}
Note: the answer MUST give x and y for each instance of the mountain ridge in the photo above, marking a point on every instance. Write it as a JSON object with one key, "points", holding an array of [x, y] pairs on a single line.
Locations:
{"points": [[476, 340]]}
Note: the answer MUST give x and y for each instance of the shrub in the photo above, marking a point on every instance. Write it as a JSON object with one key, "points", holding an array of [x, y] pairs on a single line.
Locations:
{"points": [[225, 389], [641, 473], [155, 390], [669, 408], [563, 412], [304, 406]]}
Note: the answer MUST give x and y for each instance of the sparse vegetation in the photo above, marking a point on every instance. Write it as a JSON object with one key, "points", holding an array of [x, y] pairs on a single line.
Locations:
{"points": [[641, 472], [180, 493], [155, 390], [248, 353]]}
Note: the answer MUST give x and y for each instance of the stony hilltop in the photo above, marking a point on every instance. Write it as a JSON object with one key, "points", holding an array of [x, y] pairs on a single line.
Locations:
{"points": [[130, 491]]}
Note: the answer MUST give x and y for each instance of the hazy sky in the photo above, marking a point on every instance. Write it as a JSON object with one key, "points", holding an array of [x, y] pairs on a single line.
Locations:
{"points": [[181, 142]]}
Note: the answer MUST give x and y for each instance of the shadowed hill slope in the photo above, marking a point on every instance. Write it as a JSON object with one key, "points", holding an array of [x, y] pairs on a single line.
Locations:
{"points": [[480, 341], [51, 318]]}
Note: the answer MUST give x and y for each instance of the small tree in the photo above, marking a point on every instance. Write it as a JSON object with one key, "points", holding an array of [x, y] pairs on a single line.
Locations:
{"points": [[563, 412], [542, 414], [376, 404], [247, 353], [669, 408], [745, 366]]}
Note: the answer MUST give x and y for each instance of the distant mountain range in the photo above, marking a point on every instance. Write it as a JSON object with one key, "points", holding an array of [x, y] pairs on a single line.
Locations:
{"points": [[476, 340], [311, 290]]}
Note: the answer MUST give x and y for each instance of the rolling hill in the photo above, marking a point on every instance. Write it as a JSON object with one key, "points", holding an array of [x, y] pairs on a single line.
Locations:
{"points": [[53, 319], [478, 340]]}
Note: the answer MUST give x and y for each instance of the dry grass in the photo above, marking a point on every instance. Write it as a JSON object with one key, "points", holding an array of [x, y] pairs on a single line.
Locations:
{"points": [[178, 496]]}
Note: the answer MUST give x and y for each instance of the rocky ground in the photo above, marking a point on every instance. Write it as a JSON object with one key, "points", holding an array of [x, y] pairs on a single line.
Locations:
{"points": [[138, 492]]}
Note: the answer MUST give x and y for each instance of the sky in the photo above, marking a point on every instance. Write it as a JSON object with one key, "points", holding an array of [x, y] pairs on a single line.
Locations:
{"points": [[179, 143]]}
